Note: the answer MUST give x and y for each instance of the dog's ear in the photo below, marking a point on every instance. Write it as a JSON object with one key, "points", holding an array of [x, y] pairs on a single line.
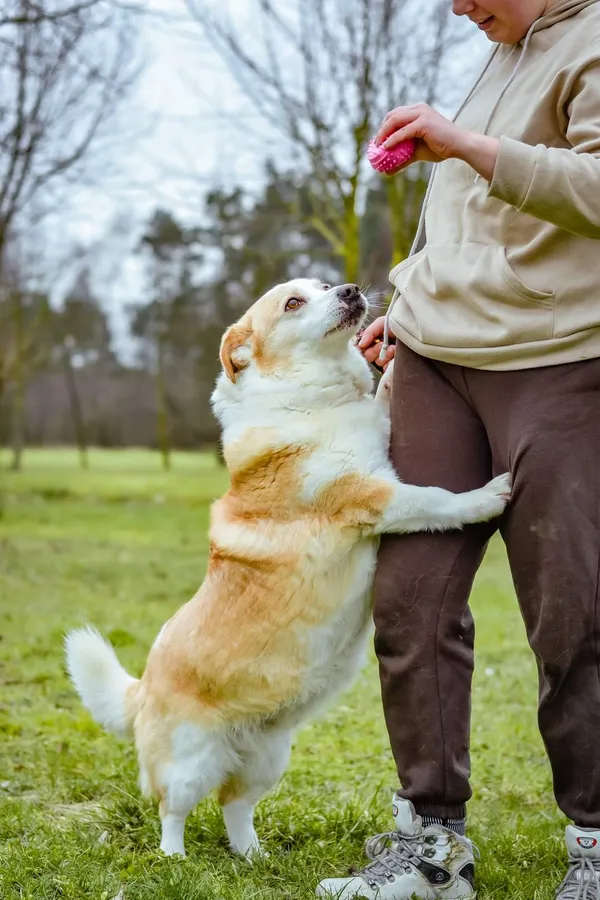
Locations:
{"points": [[235, 350]]}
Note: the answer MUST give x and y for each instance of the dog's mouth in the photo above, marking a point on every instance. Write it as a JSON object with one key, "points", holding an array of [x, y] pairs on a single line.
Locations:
{"points": [[350, 316]]}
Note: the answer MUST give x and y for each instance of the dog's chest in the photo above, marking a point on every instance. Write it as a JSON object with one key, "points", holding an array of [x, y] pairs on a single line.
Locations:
{"points": [[347, 446]]}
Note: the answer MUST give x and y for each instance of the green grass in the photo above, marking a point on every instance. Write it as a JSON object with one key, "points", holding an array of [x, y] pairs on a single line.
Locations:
{"points": [[122, 546]]}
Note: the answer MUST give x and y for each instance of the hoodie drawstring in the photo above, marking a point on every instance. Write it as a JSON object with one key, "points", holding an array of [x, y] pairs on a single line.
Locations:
{"points": [[386, 326], [511, 77], [421, 224]]}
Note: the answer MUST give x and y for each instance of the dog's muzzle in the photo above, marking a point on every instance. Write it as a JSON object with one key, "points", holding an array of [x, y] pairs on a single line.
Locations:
{"points": [[352, 306]]}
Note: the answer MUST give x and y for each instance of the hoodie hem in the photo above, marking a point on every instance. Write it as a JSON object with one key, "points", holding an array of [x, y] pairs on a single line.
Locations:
{"points": [[530, 355]]}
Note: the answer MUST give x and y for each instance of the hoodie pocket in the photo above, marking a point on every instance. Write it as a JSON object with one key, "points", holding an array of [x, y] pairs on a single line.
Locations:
{"points": [[468, 295]]}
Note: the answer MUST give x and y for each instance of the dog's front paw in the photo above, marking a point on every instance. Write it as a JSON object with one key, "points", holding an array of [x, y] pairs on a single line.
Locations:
{"points": [[502, 485], [489, 501]]}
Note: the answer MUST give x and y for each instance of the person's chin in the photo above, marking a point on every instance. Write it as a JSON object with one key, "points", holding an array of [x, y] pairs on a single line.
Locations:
{"points": [[495, 33], [497, 38], [498, 34]]}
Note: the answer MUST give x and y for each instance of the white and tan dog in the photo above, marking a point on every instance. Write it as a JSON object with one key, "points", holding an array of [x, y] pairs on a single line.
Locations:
{"points": [[283, 617]]}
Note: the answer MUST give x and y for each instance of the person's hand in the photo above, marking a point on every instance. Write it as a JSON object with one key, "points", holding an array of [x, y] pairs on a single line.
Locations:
{"points": [[370, 341], [437, 138]]}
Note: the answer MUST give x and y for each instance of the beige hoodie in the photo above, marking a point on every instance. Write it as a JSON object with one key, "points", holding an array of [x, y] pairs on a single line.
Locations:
{"points": [[509, 274]]}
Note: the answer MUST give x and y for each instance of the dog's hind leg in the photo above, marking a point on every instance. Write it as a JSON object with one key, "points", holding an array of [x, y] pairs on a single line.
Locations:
{"points": [[199, 761], [263, 762], [173, 828]]}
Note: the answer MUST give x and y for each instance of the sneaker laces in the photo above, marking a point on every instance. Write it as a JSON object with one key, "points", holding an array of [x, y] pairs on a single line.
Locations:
{"points": [[582, 881], [393, 854]]}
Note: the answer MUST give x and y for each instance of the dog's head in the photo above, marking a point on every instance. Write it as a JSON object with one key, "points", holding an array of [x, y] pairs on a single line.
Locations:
{"points": [[300, 320]]}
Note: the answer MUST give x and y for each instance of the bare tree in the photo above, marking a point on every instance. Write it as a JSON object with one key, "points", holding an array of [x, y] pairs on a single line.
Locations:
{"points": [[64, 68], [25, 343], [323, 73], [163, 325], [12, 13], [81, 337]]}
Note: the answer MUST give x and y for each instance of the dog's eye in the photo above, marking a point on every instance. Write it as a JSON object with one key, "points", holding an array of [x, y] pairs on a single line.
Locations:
{"points": [[294, 303], [326, 287]]}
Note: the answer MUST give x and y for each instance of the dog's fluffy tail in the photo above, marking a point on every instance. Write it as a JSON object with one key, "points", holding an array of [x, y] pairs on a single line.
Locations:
{"points": [[106, 689]]}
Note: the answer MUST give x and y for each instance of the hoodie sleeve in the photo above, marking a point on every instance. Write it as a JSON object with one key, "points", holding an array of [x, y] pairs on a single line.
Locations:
{"points": [[560, 186]]}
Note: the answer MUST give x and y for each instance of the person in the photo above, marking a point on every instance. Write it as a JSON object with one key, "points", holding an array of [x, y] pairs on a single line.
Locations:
{"points": [[496, 316]]}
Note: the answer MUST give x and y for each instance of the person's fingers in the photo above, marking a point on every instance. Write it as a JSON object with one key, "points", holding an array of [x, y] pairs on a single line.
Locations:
{"points": [[371, 333], [395, 119], [384, 363], [371, 354], [408, 132], [391, 352]]}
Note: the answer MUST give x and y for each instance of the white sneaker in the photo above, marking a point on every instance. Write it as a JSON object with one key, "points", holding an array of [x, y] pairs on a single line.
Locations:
{"points": [[411, 862], [582, 881]]}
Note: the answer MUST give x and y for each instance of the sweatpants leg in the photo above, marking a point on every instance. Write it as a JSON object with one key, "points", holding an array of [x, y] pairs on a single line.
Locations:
{"points": [[424, 629], [544, 424]]}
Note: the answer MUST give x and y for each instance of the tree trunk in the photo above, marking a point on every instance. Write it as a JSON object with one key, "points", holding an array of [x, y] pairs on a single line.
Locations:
{"points": [[352, 240], [396, 194], [2, 432], [75, 406], [18, 422], [162, 418], [2, 492], [18, 404]]}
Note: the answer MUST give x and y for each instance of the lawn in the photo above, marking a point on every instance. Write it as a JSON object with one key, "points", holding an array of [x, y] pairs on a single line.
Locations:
{"points": [[122, 546]]}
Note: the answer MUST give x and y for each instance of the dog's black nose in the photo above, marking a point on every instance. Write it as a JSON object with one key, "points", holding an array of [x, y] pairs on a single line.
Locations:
{"points": [[350, 293]]}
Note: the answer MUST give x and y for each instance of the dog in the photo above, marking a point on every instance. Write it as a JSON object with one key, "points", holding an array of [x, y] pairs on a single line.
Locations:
{"points": [[282, 620]]}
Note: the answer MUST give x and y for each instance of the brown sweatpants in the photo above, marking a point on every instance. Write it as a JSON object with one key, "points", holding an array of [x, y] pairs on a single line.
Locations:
{"points": [[456, 427]]}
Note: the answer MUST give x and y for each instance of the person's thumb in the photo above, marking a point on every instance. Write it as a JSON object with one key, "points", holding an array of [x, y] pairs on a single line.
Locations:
{"points": [[371, 333]]}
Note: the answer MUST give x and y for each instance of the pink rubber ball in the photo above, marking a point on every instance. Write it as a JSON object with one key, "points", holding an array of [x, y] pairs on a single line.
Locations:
{"points": [[387, 160]]}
